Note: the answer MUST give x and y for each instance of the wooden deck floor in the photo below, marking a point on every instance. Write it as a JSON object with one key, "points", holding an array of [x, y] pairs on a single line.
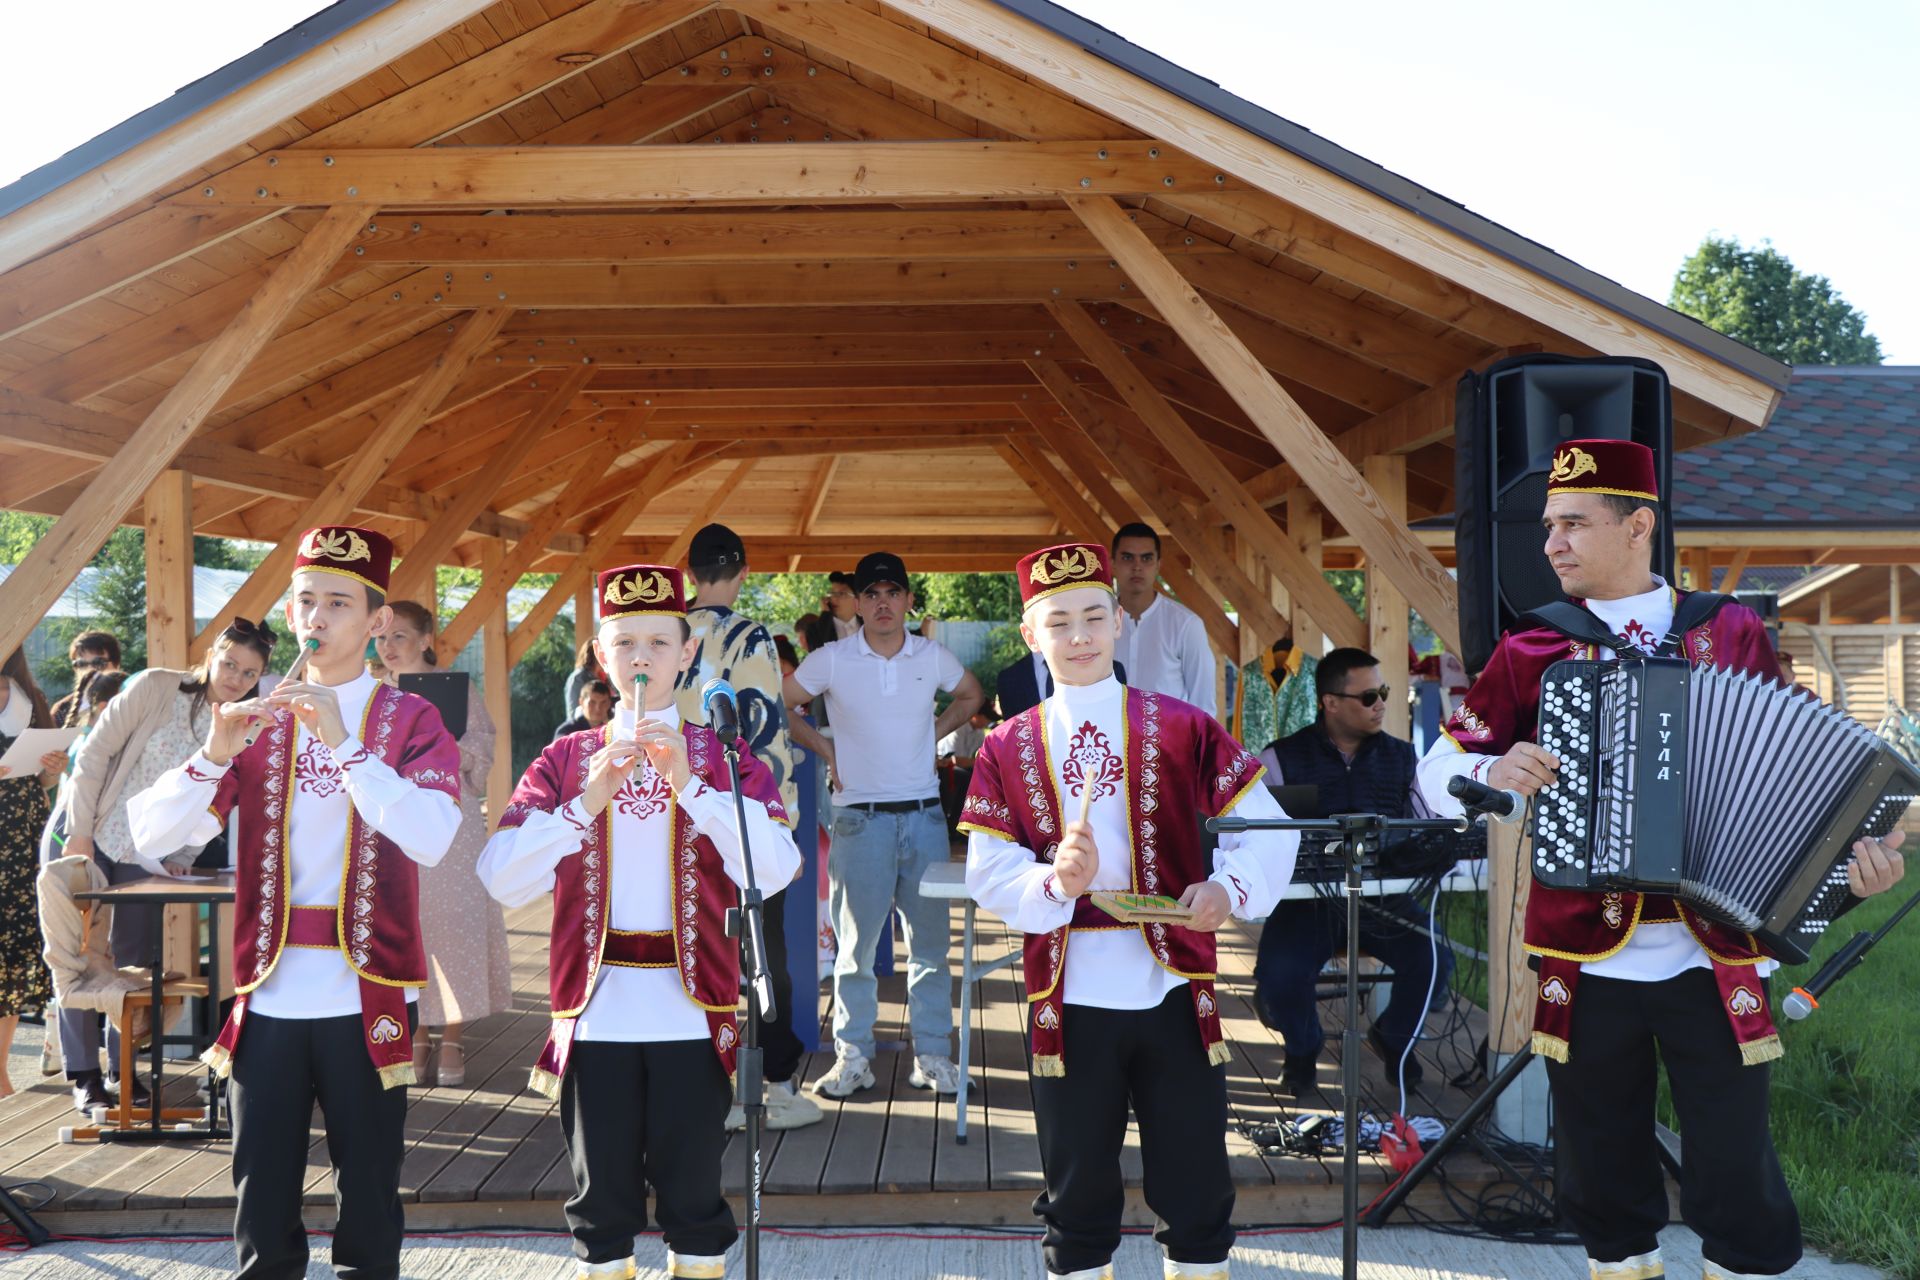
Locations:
{"points": [[491, 1152]]}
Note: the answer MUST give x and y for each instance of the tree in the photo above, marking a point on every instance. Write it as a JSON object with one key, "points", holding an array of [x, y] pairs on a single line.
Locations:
{"points": [[1756, 296]]}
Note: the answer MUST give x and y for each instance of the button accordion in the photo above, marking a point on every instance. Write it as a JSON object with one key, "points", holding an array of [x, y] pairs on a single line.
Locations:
{"points": [[1739, 796]]}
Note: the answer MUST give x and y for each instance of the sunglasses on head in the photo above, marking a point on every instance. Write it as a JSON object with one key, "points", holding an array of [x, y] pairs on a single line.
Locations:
{"points": [[1367, 697], [90, 664]]}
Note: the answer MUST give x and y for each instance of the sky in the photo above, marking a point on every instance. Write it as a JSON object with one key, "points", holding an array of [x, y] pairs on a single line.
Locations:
{"points": [[1618, 135]]}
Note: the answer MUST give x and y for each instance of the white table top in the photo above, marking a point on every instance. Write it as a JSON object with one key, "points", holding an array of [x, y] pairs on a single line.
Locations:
{"points": [[945, 880]]}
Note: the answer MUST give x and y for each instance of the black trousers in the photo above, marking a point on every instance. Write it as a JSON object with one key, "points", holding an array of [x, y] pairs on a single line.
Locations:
{"points": [[1300, 937], [779, 1045], [283, 1067], [640, 1115], [1611, 1189], [1153, 1060]]}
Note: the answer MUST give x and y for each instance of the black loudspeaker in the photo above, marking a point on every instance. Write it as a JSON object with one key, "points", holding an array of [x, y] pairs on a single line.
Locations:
{"points": [[1508, 421]]}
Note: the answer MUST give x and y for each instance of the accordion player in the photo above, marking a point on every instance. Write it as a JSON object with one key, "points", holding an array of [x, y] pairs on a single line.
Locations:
{"points": [[1740, 796]]}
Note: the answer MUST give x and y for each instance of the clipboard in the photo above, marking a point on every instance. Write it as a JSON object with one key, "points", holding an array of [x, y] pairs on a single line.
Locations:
{"points": [[23, 757], [447, 691]]}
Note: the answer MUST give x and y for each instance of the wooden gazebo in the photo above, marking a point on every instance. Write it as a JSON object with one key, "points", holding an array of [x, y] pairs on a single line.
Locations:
{"points": [[533, 284]]}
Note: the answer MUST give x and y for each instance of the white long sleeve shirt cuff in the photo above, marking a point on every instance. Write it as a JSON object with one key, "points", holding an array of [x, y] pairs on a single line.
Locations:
{"points": [[1445, 760], [175, 813], [1010, 881], [421, 822], [1255, 867]]}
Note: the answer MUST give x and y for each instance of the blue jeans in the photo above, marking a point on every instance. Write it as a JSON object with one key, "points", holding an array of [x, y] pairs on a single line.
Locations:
{"points": [[1299, 937], [875, 864]]}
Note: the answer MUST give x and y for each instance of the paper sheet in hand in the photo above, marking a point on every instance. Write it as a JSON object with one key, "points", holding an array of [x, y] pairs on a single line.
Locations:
{"points": [[1141, 908], [23, 757]]}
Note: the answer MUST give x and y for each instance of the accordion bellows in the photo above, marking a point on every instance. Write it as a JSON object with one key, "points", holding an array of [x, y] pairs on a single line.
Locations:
{"points": [[1737, 795]]}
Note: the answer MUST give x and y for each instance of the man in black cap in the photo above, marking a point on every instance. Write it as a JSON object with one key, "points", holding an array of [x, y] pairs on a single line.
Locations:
{"points": [[879, 685], [740, 651]]}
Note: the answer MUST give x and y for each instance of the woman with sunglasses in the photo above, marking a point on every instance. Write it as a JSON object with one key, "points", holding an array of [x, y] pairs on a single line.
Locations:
{"points": [[155, 724]]}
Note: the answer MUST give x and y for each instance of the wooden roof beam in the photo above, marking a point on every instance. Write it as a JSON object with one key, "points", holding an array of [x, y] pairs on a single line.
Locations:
{"points": [[349, 485], [1224, 493], [1333, 479], [415, 574], [58, 557], [452, 240], [795, 173], [89, 267], [812, 505]]}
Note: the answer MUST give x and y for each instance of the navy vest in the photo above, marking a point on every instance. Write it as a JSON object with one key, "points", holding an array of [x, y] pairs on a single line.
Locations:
{"points": [[1378, 781]]}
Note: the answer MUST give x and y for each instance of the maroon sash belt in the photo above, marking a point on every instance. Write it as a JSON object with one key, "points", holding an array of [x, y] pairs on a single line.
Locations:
{"points": [[639, 949], [314, 927], [383, 1007], [1087, 916]]}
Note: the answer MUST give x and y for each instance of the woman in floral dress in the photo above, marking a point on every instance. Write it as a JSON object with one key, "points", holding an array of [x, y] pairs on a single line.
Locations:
{"points": [[25, 986], [468, 973]]}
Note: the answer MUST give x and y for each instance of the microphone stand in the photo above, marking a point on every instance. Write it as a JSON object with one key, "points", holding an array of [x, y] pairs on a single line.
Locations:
{"points": [[1354, 830], [747, 922]]}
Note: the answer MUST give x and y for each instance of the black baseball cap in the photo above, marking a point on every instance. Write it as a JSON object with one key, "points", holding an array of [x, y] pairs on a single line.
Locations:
{"points": [[714, 547], [880, 566]]}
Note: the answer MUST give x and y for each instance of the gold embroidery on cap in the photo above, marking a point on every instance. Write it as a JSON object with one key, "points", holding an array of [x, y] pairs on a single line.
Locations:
{"points": [[1571, 463], [1067, 567], [343, 545], [651, 589]]}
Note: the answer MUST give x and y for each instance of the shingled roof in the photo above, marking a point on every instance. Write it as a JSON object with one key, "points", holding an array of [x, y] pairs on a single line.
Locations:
{"points": [[1842, 450]]}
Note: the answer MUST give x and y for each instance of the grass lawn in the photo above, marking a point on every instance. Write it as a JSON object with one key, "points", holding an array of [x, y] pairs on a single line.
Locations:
{"points": [[1846, 1098]]}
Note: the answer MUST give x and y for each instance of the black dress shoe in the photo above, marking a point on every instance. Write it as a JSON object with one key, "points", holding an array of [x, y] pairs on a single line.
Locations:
{"points": [[1391, 1055], [1298, 1079], [90, 1091]]}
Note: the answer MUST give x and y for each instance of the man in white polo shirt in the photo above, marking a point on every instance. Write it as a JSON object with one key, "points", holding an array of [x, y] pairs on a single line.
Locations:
{"points": [[1163, 645], [879, 686]]}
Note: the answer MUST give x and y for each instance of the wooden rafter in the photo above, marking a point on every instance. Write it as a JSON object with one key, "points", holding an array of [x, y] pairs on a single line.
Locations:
{"points": [[815, 502], [53, 562], [1324, 469], [347, 486], [415, 574]]}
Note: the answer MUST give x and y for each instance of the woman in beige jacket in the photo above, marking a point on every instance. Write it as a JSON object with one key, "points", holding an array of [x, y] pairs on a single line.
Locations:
{"points": [[158, 720]]}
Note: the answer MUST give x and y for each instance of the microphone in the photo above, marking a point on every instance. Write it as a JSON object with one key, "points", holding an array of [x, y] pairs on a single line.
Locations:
{"points": [[722, 708], [1479, 798], [1802, 1001]]}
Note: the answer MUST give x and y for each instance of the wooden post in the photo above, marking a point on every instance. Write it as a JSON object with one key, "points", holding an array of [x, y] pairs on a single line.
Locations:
{"points": [[169, 515], [1322, 467], [1304, 527], [1510, 983], [584, 608], [366, 466], [497, 677], [1387, 623], [57, 558]]}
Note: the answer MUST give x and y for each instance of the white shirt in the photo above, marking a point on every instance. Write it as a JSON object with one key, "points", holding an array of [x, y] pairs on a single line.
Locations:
{"points": [[881, 710], [17, 716], [1114, 969], [328, 786], [1656, 952], [517, 866], [1165, 650], [844, 627]]}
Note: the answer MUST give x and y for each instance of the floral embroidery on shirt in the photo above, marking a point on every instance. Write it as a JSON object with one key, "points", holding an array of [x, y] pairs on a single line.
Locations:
{"points": [[1091, 762], [1637, 634], [642, 797], [315, 770]]}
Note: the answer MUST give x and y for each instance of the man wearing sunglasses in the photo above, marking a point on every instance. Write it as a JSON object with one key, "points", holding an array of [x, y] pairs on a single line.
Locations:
{"points": [[1358, 768]]}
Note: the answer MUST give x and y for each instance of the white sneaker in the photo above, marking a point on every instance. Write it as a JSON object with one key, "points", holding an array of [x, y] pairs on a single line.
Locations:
{"points": [[787, 1108], [850, 1073], [1641, 1266], [936, 1071], [1172, 1270], [624, 1269], [696, 1266]]}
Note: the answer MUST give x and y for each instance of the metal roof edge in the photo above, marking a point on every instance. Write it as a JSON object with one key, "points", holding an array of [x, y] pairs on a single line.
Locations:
{"points": [[1403, 192], [1856, 371]]}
